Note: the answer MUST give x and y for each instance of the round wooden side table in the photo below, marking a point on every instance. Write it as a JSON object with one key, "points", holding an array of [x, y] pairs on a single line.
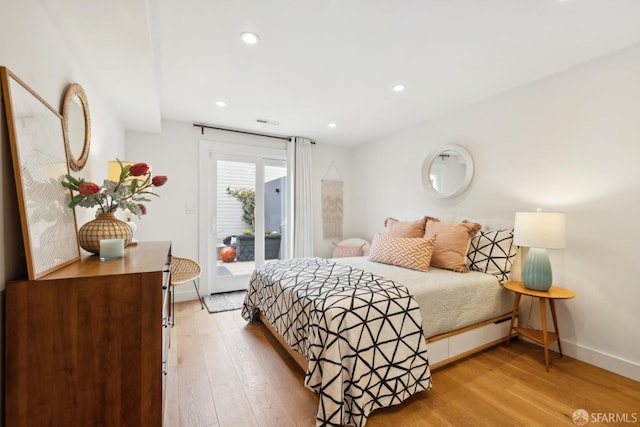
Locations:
{"points": [[543, 336]]}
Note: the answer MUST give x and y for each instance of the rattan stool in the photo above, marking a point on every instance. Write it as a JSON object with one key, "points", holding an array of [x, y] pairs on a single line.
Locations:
{"points": [[183, 270]]}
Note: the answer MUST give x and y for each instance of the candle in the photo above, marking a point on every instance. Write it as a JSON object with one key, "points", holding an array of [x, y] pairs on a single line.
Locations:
{"points": [[111, 249]]}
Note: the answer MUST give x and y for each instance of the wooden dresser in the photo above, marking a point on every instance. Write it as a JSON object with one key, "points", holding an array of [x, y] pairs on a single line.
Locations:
{"points": [[87, 345]]}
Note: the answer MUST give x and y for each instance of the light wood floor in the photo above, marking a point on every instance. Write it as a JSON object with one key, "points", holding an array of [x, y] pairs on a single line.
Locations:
{"points": [[225, 372]]}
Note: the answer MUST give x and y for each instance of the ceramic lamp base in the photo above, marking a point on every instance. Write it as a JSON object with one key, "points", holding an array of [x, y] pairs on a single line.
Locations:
{"points": [[536, 274]]}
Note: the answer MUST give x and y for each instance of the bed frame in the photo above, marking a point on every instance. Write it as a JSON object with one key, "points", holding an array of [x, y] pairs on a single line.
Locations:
{"points": [[443, 348], [455, 345]]}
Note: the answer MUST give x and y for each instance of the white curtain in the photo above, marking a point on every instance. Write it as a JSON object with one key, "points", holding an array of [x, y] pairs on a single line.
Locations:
{"points": [[301, 227]]}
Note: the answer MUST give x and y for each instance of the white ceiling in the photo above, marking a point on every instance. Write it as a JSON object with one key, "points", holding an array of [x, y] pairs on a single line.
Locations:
{"points": [[325, 61]]}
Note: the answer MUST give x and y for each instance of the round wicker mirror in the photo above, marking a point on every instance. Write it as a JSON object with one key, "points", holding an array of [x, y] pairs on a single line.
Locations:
{"points": [[77, 126]]}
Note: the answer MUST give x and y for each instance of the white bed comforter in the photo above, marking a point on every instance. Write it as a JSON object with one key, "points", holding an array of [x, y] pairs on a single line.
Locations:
{"points": [[447, 300]]}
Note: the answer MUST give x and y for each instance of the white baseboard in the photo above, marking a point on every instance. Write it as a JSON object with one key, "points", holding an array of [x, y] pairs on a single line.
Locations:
{"points": [[615, 364], [185, 293]]}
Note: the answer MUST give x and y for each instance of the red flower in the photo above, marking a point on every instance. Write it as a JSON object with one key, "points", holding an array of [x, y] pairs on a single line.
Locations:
{"points": [[139, 169], [143, 209], [159, 180], [88, 188]]}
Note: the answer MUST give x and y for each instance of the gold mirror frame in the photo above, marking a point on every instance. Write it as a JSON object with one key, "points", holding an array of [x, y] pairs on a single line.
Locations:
{"points": [[75, 96]]}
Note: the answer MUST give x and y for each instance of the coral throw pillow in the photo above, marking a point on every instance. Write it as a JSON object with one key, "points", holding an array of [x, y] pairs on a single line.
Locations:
{"points": [[397, 228], [453, 242], [413, 253], [347, 251]]}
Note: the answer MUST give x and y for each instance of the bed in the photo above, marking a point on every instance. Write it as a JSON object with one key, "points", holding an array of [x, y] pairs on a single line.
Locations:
{"points": [[360, 333], [367, 334]]}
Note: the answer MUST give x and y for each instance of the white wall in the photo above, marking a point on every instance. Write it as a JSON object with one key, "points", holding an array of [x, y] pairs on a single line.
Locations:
{"points": [[174, 152], [34, 51], [332, 163], [570, 142]]}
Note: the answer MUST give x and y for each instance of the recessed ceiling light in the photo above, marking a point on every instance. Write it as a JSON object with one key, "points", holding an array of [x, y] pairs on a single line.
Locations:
{"points": [[269, 122], [398, 88], [221, 103], [332, 125], [249, 38]]}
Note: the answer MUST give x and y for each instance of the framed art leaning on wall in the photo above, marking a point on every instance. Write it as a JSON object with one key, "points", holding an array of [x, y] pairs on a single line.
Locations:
{"points": [[39, 166]]}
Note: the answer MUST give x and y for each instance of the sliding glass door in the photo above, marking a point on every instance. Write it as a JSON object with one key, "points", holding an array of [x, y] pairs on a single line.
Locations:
{"points": [[247, 215]]}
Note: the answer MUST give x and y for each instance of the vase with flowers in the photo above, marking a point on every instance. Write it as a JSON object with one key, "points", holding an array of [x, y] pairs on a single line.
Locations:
{"points": [[134, 186]]}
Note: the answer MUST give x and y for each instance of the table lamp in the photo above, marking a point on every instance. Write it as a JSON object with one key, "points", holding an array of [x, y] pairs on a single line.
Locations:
{"points": [[113, 171], [538, 231]]}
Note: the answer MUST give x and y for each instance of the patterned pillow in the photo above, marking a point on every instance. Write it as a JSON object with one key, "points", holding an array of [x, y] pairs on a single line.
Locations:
{"points": [[493, 252], [452, 246], [413, 253], [347, 251]]}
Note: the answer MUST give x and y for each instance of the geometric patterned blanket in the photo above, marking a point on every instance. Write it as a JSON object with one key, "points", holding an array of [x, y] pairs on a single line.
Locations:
{"points": [[361, 333]]}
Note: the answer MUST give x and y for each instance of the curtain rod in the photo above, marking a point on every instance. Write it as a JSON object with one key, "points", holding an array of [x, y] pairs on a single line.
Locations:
{"points": [[203, 127]]}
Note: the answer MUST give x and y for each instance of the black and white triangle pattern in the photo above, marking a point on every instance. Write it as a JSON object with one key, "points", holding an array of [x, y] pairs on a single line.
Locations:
{"points": [[493, 252], [362, 334]]}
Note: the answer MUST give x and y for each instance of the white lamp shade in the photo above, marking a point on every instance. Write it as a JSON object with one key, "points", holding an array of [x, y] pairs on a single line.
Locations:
{"points": [[539, 230], [113, 170]]}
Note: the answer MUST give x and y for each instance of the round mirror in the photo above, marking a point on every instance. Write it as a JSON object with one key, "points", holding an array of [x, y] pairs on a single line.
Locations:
{"points": [[77, 126], [447, 171]]}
